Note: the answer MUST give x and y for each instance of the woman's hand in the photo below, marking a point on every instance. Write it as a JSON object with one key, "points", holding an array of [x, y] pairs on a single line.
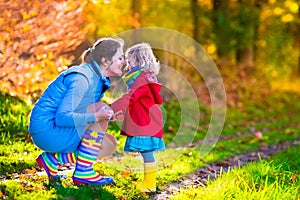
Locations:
{"points": [[104, 113]]}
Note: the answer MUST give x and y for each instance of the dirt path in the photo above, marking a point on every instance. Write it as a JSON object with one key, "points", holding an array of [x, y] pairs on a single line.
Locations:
{"points": [[212, 171]]}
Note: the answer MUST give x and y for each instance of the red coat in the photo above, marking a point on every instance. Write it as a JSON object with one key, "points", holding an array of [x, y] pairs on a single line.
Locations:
{"points": [[143, 116]]}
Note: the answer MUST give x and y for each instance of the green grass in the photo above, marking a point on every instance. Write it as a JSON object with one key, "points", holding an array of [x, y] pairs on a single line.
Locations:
{"points": [[275, 178], [173, 164], [16, 156], [14, 116], [17, 153]]}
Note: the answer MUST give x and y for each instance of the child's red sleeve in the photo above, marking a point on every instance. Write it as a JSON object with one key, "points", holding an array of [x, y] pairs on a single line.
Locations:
{"points": [[139, 88]]}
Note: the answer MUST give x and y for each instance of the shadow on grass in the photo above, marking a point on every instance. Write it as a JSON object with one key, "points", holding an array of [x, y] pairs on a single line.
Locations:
{"points": [[83, 192]]}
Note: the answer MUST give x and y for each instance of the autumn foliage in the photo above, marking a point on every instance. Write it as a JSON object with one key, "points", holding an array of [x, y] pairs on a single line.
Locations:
{"points": [[33, 49], [255, 44]]}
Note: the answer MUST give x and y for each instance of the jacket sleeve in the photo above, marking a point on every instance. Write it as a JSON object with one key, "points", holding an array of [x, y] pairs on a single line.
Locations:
{"points": [[139, 88], [77, 85]]}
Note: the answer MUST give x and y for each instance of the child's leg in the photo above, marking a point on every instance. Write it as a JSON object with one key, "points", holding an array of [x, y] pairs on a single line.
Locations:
{"points": [[150, 171], [148, 157]]}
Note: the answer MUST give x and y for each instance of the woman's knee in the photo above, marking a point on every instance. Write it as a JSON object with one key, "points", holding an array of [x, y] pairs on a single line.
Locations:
{"points": [[110, 138], [108, 146]]}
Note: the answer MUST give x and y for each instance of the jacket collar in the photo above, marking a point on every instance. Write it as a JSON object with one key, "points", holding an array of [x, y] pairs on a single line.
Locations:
{"points": [[97, 70]]}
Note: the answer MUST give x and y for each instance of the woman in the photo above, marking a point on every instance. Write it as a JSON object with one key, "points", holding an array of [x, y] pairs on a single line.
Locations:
{"points": [[68, 123]]}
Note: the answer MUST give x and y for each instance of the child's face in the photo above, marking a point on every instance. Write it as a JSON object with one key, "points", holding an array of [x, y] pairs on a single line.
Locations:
{"points": [[130, 62]]}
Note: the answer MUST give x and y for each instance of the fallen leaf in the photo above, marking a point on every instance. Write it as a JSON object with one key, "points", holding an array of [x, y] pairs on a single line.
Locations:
{"points": [[259, 135], [23, 177], [294, 177], [223, 163], [28, 188], [143, 194], [125, 174], [30, 171]]}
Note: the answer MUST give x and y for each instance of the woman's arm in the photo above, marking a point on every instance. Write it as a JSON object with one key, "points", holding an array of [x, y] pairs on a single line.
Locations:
{"points": [[77, 85]]}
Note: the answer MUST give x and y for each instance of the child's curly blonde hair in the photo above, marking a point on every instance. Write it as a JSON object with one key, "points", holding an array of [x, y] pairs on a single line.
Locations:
{"points": [[142, 55]]}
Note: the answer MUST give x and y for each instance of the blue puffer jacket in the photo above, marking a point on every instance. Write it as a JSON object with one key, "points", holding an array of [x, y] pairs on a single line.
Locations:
{"points": [[59, 119]]}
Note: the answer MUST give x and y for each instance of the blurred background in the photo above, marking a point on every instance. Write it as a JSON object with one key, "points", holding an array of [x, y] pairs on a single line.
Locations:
{"points": [[254, 43]]}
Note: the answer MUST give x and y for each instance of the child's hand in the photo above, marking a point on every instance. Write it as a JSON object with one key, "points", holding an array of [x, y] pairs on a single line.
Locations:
{"points": [[118, 115], [104, 113]]}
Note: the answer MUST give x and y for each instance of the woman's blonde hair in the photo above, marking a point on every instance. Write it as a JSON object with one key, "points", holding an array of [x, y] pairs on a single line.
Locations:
{"points": [[142, 55]]}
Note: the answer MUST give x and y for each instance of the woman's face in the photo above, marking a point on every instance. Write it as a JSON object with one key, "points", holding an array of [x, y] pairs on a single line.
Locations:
{"points": [[115, 68]]}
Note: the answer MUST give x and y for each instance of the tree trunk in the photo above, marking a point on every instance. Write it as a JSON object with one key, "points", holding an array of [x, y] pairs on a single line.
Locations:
{"points": [[296, 70], [297, 38], [244, 57], [136, 23], [195, 16], [220, 10], [245, 53]]}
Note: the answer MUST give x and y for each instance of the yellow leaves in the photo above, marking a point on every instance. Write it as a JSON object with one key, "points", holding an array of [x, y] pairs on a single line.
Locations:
{"points": [[26, 28], [278, 11], [23, 177], [30, 171], [29, 188], [29, 15], [287, 18], [125, 174], [2, 196], [34, 13], [292, 6], [25, 15], [287, 11], [211, 49], [272, 1], [1, 21]]}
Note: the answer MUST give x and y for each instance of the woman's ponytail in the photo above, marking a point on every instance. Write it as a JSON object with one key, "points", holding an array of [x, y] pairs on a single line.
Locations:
{"points": [[103, 48]]}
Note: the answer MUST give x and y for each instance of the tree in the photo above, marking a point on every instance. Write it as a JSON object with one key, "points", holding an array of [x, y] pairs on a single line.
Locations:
{"points": [[279, 38], [195, 15], [221, 21], [245, 29], [234, 29], [135, 16], [297, 38], [37, 38]]}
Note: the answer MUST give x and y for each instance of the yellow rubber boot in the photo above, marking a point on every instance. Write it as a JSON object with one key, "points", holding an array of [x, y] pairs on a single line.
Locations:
{"points": [[149, 182]]}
